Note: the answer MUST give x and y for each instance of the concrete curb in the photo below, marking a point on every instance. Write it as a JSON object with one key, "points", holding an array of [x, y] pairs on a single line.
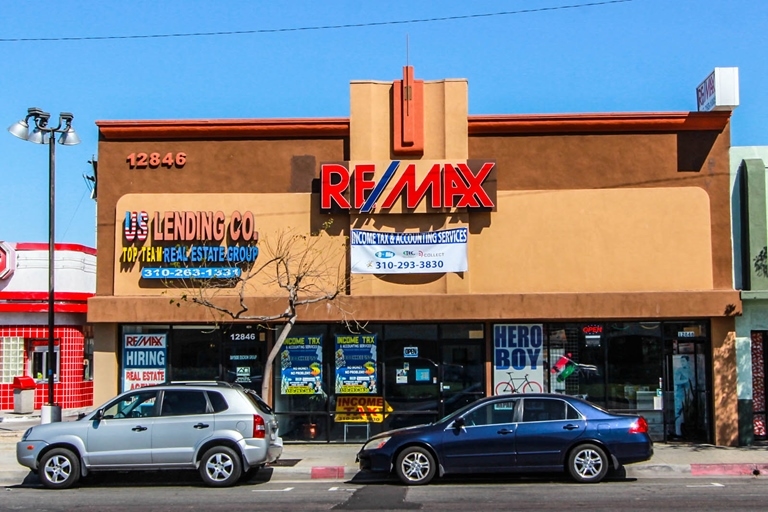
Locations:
{"points": [[17, 477]]}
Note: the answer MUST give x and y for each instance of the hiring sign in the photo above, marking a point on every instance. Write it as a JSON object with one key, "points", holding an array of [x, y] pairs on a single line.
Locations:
{"points": [[144, 360]]}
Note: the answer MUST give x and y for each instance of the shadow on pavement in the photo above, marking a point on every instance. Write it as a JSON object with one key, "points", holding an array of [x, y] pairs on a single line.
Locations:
{"points": [[166, 478], [371, 478]]}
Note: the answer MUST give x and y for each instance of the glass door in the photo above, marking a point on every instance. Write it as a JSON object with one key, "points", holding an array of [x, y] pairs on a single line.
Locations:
{"points": [[411, 373], [245, 351], [686, 410], [462, 371]]}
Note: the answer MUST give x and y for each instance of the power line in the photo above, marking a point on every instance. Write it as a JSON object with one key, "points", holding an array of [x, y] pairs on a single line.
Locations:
{"points": [[320, 27]]}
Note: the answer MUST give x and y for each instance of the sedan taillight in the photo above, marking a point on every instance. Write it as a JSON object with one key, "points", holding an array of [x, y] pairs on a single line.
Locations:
{"points": [[639, 427], [259, 428]]}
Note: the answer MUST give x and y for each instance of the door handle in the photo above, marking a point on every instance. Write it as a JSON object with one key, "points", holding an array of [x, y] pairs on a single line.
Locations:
{"points": [[505, 431], [139, 428], [201, 425], [570, 426]]}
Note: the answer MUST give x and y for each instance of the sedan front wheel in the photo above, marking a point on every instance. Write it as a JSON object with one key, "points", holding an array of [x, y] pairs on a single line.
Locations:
{"points": [[415, 466]]}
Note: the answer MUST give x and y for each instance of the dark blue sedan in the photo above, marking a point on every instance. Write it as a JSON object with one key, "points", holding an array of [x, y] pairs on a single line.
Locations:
{"points": [[513, 433]]}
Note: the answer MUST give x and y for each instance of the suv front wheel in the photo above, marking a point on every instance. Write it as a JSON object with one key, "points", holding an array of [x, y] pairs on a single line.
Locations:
{"points": [[220, 467], [59, 469]]}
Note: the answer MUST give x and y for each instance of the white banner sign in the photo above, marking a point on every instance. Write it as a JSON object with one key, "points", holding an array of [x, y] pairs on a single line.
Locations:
{"points": [[375, 252]]}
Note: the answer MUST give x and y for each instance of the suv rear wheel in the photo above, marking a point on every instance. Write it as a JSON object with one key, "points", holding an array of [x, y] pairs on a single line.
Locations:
{"points": [[588, 463], [220, 467]]}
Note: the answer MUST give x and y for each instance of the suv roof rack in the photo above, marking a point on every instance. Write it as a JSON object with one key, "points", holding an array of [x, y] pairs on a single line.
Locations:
{"points": [[199, 383]]}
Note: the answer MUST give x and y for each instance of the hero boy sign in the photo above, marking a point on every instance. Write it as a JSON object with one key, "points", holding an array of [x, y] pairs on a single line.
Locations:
{"points": [[378, 187], [518, 358]]}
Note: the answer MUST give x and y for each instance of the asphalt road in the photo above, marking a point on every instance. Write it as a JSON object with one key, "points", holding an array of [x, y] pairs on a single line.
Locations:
{"points": [[184, 492]]}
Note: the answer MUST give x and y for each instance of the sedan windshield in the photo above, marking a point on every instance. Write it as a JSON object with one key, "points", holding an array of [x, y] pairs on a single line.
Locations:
{"points": [[455, 414]]}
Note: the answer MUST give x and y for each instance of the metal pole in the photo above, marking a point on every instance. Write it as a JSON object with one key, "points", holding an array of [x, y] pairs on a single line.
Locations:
{"points": [[51, 251]]}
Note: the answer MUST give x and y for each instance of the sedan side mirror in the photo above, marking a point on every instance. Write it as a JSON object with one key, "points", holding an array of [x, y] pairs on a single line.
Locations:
{"points": [[99, 415], [459, 422]]}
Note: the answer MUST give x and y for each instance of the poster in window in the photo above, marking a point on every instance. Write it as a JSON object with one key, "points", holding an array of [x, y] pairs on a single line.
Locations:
{"points": [[301, 366], [144, 360], [356, 364], [518, 358]]}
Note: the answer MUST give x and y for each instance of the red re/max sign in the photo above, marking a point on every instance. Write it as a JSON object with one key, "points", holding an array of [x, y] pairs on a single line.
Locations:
{"points": [[446, 185]]}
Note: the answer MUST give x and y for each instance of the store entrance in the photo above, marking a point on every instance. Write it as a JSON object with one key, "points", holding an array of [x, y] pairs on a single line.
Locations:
{"points": [[428, 375], [686, 412]]}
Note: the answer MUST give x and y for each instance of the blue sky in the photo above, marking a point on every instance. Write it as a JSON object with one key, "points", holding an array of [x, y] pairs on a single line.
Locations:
{"points": [[628, 56]]}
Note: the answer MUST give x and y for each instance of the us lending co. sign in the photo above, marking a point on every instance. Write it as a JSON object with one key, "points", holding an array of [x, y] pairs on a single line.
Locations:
{"points": [[423, 185]]}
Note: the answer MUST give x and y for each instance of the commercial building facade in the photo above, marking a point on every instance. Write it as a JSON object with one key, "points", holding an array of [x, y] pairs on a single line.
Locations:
{"points": [[24, 324], [750, 234], [587, 254]]}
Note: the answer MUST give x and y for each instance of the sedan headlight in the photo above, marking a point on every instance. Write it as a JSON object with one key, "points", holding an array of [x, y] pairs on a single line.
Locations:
{"points": [[375, 444], [26, 434]]}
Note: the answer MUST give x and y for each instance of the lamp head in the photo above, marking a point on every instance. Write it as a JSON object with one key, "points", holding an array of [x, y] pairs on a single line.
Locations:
{"points": [[20, 129], [69, 136]]}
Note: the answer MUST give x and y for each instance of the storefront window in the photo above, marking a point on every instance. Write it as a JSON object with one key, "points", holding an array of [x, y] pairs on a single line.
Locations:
{"points": [[634, 364], [11, 358], [39, 361], [414, 372], [658, 369], [194, 353], [88, 358]]}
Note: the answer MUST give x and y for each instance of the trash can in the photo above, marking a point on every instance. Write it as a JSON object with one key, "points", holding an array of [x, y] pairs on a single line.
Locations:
{"points": [[23, 395]]}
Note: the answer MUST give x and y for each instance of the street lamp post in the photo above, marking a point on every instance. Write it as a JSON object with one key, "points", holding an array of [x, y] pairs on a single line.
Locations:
{"points": [[46, 134]]}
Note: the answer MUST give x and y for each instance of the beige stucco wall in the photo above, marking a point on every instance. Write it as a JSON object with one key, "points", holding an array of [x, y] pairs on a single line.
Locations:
{"points": [[650, 239], [105, 369]]}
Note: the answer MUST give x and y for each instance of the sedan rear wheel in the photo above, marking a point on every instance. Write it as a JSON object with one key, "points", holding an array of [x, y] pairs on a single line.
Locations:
{"points": [[220, 467], [415, 466], [588, 463], [59, 469]]}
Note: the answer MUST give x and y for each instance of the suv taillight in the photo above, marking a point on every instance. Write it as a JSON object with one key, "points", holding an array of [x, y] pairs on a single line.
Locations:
{"points": [[639, 427], [259, 428]]}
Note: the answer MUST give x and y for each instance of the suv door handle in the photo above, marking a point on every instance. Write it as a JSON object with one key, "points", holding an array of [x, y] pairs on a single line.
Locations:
{"points": [[570, 426], [139, 428], [505, 431], [201, 425]]}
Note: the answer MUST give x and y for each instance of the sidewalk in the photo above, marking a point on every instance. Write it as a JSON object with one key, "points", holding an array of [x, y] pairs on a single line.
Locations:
{"points": [[337, 461]]}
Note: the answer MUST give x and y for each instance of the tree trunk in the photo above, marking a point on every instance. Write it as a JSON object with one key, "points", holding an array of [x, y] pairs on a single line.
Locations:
{"points": [[266, 384]]}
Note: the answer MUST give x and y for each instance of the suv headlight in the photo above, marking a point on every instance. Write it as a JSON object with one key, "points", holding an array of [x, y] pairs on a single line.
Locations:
{"points": [[26, 434], [375, 444]]}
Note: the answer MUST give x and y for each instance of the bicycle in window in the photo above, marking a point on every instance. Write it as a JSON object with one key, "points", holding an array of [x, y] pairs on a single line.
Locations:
{"points": [[518, 385]]}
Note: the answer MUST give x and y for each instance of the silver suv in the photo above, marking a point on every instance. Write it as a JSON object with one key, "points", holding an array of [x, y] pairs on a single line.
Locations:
{"points": [[224, 431]]}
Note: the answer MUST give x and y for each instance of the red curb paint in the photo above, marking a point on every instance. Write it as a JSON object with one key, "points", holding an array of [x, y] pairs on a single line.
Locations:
{"points": [[327, 472], [728, 469]]}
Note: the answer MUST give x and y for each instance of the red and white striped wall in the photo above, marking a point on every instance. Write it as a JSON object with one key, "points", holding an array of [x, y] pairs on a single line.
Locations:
{"points": [[24, 313]]}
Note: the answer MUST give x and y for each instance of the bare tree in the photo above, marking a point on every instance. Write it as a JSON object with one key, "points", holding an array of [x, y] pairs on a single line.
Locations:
{"points": [[300, 269]]}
